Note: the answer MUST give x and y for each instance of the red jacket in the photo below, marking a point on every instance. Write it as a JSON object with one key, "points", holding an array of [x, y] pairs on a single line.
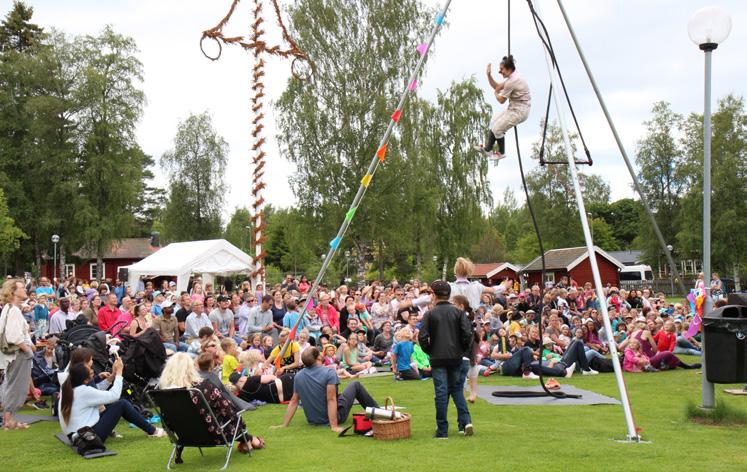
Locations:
{"points": [[331, 317], [665, 341]]}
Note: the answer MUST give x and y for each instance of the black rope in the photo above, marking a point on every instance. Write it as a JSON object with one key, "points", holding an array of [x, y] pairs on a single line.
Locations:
{"points": [[508, 29], [544, 129], [547, 392], [544, 36]]}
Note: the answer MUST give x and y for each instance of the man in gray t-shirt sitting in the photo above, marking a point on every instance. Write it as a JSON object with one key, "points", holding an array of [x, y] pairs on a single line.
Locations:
{"points": [[222, 318], [316, 387]]}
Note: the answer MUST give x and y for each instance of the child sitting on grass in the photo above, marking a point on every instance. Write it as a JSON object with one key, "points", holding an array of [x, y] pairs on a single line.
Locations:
{"points": [[230, 358], [329, 360], [402, 362]]}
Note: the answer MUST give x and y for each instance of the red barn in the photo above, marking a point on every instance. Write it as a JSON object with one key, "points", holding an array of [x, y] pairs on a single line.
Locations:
{"points": [[122, 253], [573, 262], [492, 273]]}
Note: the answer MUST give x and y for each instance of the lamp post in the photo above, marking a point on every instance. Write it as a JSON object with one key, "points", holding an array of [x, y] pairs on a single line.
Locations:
{"points": [[55, 240], [707, 28], [670, 248]]}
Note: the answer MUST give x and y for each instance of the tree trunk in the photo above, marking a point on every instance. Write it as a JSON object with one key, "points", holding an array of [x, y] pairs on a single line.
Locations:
{"points": [[99, 262], [37, 257], [443, 269], [737, 284], [381, 259], [361, 261]]}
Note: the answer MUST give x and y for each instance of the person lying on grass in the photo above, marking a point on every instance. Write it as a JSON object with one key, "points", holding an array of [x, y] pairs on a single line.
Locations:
{"points": [[317, 387]]}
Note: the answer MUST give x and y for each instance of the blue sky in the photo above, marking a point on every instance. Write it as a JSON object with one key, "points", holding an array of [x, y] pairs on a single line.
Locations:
{"points": [[639, 52]]}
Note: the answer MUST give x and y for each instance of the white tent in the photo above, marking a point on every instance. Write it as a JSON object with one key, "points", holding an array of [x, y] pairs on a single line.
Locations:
{"points": [[208, 258]]}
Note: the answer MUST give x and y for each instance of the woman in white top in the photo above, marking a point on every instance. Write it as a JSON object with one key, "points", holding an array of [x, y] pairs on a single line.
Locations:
{"points": [[17, 364], [81, 404]]}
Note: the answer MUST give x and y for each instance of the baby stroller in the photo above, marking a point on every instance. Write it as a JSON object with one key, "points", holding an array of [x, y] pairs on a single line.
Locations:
{"points": [[70, 339], [143, 357]]}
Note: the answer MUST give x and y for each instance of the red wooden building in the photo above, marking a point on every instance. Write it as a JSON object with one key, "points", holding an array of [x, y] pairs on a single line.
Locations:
{"points": [[573, 262], [492, 273], [122, 253]]}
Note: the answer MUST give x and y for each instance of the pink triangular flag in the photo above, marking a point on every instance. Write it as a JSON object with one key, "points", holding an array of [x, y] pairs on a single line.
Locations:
{"points": [[413, 85], [422, 49]]}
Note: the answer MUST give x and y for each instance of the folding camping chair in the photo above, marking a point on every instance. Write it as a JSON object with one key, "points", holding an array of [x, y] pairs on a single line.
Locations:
{"points": [[186, 427]]}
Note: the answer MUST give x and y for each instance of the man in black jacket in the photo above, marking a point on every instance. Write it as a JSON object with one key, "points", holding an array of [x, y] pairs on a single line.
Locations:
{"points": [[445, 335]]}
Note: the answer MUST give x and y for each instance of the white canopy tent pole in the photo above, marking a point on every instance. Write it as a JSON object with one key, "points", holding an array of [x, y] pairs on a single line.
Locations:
{"points": [[555, 83]]}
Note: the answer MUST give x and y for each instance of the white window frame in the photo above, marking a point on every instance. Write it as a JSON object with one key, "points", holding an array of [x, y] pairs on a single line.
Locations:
{"points": [[549, 277], [69, 269], [92, 267]]}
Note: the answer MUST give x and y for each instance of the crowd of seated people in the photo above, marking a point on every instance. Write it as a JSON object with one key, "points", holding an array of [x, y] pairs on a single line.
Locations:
{"points": [[235, 340]]}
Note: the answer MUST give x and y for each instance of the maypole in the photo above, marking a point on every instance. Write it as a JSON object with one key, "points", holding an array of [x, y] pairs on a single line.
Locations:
{"points": [[259, 48]]}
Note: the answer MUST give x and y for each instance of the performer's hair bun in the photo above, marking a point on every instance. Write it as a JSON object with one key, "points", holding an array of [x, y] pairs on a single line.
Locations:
{"points": [[508, 62]]}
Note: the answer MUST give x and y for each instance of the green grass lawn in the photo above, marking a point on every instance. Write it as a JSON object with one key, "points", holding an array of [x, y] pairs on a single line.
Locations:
{"points": [[559, 438]]}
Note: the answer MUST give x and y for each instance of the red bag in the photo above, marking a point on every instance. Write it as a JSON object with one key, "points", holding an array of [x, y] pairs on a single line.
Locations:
{"points": [[361, 425]]}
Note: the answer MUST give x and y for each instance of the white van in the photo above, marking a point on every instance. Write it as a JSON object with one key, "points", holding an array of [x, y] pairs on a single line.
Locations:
{"points": [[637, 273]]}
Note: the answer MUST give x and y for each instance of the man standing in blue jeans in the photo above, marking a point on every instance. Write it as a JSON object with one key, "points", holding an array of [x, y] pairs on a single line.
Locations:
{"points": [[445, 335]]}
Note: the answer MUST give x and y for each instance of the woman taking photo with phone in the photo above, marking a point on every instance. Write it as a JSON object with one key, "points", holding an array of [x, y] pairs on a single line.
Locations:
{"points": [[81, 404]]}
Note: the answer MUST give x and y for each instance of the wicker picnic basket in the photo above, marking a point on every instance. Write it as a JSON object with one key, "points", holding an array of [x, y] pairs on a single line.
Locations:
{"points": [[388, 430]]}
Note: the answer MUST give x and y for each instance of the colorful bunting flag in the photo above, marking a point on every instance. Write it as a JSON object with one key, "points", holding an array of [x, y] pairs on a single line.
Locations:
{"points": [[413, 85], [335, 243], [422, 49], [366, 180], [439, 19], [381, 153], [396, 115], [350, 214]]}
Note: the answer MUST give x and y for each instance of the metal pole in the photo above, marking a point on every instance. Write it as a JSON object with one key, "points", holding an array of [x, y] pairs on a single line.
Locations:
{"points": [[555, 84], [54, 271], [631, 170], [709, 400]]}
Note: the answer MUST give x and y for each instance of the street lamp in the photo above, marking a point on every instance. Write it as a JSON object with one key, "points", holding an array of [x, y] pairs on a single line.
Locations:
{"points": [[55, 240], [707, 28], [670, 248]]}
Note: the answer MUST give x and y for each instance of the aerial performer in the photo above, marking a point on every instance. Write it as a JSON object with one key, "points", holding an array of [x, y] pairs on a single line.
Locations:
{"points": [[516, 91]]}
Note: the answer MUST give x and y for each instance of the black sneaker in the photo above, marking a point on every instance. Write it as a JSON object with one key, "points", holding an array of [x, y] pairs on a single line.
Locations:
{"points": [[441, 436], [41, 405]]}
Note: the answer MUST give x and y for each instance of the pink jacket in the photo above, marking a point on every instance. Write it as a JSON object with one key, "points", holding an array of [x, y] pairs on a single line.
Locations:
{"points": [[632, 361]]}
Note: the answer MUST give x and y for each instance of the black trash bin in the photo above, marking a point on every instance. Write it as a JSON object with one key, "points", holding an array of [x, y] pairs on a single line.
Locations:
{"points": [[726, 344]]}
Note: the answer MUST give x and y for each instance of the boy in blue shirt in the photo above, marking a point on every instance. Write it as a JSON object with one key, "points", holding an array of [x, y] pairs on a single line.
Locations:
{"points": [[41, 316], [402, 363]]}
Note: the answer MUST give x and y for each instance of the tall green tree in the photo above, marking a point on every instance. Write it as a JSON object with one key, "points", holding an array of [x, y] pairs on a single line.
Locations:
{"points": [[239, 229], [10, 234], [660, 157], [460, 174], [553, 197], [111, 162], [729, 188], [17, 32], [330, 126], [196, 195]]}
